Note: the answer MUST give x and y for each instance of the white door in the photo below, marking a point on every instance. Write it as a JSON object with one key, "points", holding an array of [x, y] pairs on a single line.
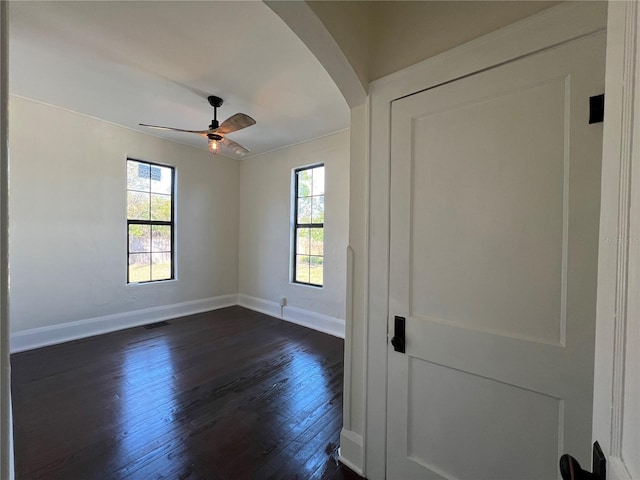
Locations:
{"points": [[495, 182]]}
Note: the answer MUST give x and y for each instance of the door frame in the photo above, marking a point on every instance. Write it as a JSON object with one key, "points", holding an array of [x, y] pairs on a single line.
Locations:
{"points": [[618, 314], [6, 424], [542, 31]]}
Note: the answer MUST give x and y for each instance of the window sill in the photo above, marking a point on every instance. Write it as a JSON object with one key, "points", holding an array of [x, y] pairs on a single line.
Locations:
{"points": [[155, 282], [298, 284]]}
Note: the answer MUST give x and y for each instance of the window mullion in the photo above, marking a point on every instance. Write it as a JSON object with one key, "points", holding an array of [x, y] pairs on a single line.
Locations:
{"points": [[148, 222], [309, 225]]}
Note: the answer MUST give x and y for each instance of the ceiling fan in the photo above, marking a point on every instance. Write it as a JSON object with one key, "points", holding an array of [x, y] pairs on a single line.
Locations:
{"points": [[216, 132]]}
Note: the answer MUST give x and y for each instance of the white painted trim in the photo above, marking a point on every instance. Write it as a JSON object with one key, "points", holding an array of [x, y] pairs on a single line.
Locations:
{"points": [[617, 470], [364, 278], [348, 336], [51, 335], [618, 319], [6, 417], [536, 33], [306, 318], [351, 451], [355, 345]]}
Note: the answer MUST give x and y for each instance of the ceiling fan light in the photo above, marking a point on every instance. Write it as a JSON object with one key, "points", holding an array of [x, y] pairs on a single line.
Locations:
{"points": [[214, 146]]}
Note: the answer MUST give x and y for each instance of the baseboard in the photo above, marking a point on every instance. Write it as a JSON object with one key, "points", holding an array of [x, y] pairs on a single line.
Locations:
{"points": [[316, 321], [351, 452], [51, 335]]}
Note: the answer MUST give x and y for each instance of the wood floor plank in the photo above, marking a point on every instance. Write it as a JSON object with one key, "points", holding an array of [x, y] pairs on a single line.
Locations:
{"points": [[228, 394]]}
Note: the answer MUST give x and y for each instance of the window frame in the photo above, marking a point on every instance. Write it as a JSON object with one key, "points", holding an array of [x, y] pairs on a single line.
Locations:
{"points": [[151, 223], [296, 226]]}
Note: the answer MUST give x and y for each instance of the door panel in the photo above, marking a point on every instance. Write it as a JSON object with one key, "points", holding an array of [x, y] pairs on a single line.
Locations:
{"points": [[490, 233], [494, 236], [451, 413]]}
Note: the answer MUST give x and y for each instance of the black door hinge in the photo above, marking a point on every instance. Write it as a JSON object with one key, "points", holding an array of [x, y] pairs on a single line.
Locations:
{"points": [[596, 109]]}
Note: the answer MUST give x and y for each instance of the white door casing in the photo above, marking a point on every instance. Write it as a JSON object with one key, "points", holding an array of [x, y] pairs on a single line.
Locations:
{"points": [[616, 414], [6, 424], [494, 235]]}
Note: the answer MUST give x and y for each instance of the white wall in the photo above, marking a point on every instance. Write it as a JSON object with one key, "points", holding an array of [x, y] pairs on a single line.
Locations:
{"points": [[379, 38], [265, 216], [449, 24], [68, 219]]}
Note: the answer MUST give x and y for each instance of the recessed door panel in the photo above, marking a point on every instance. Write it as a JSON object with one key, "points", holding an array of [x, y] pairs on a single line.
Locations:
{"points": [[487, 243], [463, 424]]}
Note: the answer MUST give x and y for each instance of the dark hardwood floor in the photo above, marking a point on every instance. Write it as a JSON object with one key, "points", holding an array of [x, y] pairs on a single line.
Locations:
{"points": [[229, 394]]}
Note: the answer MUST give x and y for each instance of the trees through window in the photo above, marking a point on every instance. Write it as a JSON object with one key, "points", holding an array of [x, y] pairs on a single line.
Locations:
{"points": [[308, 254], [150, 222]]}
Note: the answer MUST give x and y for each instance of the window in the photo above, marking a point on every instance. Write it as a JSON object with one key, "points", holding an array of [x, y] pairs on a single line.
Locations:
{"points": [[149, 222], [308, 254]]}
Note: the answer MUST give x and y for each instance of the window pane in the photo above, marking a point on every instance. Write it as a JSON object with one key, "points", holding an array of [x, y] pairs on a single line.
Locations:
{"points": [[315, 270], [137, 206], [302, 242], [317, 241], [161, 238], [317, 209], [161, 207], [304, 183], [318, 181], [302, 268], [161, 268], [304, 210], [138, 176], [139, 267], [139, 238], [161, 179]]}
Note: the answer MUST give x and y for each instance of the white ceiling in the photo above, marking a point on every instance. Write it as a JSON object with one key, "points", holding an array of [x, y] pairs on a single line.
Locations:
{"points": [[136, 62]]}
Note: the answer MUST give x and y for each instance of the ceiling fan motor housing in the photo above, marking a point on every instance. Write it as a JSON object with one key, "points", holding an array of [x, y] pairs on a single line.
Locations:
{"points": [[215, 102]]}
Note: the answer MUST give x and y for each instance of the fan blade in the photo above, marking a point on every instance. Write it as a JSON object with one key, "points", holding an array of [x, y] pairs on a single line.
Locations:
{"points": [[234, 123], [199, 132], [234, 146]]}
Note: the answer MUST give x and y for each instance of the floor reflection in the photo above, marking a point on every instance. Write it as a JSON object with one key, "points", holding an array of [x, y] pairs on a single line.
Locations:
{"points": [[309, 380], [147, 401], [311, 398]]}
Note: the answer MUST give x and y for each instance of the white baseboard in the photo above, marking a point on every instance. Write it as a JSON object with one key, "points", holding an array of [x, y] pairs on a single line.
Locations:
{"points": [[43, 336], [51, 335], [316, 321], [351, 451]]}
